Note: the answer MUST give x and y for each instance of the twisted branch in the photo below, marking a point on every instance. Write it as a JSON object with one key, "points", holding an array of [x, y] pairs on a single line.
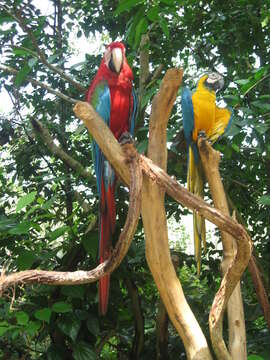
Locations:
{"points": [[120, 250]]}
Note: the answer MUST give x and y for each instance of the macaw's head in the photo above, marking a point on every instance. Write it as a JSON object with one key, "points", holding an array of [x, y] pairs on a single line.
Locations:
{"points": [[214, 81], [114, 56]]}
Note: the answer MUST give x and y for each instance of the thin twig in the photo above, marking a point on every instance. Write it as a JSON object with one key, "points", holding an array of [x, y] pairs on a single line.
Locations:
{"points": [[13, 71], [43, 132], [17, 15]]}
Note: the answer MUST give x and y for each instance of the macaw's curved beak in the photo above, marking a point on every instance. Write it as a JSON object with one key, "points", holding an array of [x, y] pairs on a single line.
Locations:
{"points": [[214, 81], [116, 61]]}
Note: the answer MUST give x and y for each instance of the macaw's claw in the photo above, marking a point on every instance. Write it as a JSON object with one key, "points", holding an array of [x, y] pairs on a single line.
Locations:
{"points": [[126, 138], [202, 134]]}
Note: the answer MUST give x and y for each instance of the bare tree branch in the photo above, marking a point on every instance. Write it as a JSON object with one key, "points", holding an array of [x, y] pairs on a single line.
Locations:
{"points": [[120, 250], [260, 290], [17, 15], [43, 132], [39, 83], [236, 323]]}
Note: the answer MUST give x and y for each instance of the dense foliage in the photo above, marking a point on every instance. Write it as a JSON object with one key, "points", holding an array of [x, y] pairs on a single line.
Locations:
{"points": [[48, 212]]}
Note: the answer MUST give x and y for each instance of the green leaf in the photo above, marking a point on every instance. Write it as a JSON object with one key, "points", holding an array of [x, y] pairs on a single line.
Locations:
{"points": [[235, 147], [33, 327], [90, 243], [242, 81], [147, 96], [6, 18], [153, 13], [4, 329], [126, 5], [255, 357], [21, 52], [54, 353], [142, 146], [47, 204], [83, 351], [58, 232], [52, 58], [43, 314], [61, 307], [93, 325], [26, 259], [21, 75], [22, 228], [264, 200], [7, 224], [168, 2], [22, 318], [141, 28], [69, 326], [32, 62], [260, 73], [74, 291], [26, 200], [164, 26], [262, 105]]}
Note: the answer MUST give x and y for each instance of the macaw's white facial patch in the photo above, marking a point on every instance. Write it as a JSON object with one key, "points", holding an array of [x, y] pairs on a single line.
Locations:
{"points": [[117, 58], [215, 81]]}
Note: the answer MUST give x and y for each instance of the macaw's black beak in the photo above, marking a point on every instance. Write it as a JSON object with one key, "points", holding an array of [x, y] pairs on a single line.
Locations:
{"points": [[116, 61], [214, 81]]}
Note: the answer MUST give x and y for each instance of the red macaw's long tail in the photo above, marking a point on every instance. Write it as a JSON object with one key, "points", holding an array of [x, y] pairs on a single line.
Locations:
{"points": [[107, 226]]}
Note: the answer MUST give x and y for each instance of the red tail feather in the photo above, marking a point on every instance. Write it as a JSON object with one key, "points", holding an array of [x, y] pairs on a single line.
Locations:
{"points": [[107, 226], [103, 292]]}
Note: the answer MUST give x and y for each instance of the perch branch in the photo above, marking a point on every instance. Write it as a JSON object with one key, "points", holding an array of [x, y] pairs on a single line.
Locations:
{"points": [[34, 82], [232, 267], [114, 154], [120, 250], [43, 132], [256, 274], [17, 15], [260, 290], [155, 224]]}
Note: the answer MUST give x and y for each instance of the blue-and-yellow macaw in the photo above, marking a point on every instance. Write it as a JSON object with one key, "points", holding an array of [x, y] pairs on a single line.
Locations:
{"points": [[201, 115]]}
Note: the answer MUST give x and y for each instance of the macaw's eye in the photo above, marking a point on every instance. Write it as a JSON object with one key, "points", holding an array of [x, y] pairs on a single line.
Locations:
{"points": [[214, 81]]}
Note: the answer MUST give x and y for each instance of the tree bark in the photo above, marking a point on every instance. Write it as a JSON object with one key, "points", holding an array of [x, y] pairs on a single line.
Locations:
{"points": [[236, 321], [162, 324], [155, 225]]}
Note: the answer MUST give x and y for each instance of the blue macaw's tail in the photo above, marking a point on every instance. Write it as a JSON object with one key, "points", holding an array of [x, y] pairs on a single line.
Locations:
{"points": [[195, 184], [107, 227]]}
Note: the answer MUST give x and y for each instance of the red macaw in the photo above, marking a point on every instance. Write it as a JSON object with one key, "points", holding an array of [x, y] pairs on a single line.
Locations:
{"points": [[113, 97], [201, 115]]}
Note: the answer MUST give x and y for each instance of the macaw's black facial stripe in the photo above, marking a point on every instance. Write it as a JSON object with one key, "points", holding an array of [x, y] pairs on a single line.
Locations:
{"points": [[112, 67]]}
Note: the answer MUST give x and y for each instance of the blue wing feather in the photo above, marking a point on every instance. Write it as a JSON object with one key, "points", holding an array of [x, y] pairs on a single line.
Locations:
{"points": [[188, 120], [102, 104], [134, 113], [188, 114], [230, 122]]}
